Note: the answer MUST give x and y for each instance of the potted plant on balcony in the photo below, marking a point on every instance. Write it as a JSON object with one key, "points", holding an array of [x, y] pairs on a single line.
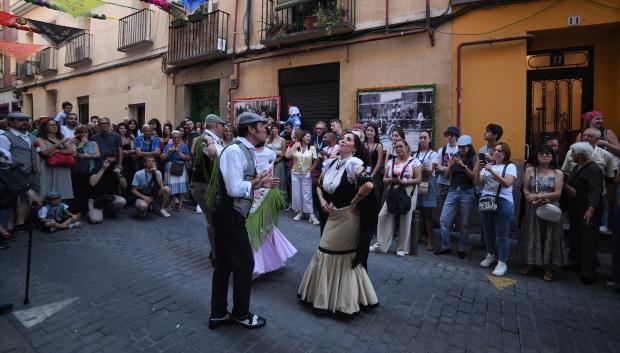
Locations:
{"points": [[328, 17], [196, 16], [275, 28]]}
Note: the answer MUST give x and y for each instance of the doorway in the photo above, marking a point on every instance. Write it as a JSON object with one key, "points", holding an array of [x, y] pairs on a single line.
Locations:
{"points": [[559, 89], [205, 100], [138, 113]]}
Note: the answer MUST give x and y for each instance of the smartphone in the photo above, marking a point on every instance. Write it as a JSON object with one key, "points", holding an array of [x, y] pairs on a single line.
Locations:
{"points": [[80, 150], [482, 157]]}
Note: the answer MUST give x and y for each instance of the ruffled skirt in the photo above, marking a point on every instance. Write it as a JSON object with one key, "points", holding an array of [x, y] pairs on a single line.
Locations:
{"points": [[330, 284], [273, 253]]}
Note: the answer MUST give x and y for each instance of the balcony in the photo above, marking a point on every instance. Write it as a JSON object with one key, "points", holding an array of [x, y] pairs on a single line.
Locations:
{"points": [[24, 71], [293, 21], [201, 38], [135, 31], [78, 51], [46, 61]]}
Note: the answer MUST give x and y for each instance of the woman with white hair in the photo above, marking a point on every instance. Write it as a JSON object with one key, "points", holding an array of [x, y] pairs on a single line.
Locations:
{"points": [[582, 199], [175, 177]]}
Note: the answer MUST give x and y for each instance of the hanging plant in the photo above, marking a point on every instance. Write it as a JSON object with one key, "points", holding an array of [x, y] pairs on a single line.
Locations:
{"points": [[328, 17]]}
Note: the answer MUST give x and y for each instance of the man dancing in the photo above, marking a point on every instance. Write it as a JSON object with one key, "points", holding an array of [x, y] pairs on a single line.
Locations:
{"points": [[237, 179]]}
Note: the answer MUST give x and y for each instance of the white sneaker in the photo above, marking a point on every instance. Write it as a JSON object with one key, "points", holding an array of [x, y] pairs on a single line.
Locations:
{"points": [[313, 220], [603, 229], [500, 269], [298, 216], [164, 213], [488, 261], [376, 248], [198, 209], [401, 253], [75, 225]]}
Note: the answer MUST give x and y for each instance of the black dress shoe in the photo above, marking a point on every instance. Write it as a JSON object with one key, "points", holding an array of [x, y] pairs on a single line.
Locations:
{"points": [[442, 251], [215, 322], [612, 286], [461, 254], [588, 280], [251, 321], [5, 308]]}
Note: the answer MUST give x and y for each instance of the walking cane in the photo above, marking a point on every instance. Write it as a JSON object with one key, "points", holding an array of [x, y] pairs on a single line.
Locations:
{"points": [[30, 219]]}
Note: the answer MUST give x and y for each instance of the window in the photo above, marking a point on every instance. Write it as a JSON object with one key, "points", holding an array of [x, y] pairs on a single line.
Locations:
{"points": [[83, 109]]}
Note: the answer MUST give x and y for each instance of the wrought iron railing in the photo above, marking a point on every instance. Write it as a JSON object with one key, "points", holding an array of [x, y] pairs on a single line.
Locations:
{"points": [[78, 50], [135, 30], [202, 37], [319, 17], [24, 70], [46, 61]]}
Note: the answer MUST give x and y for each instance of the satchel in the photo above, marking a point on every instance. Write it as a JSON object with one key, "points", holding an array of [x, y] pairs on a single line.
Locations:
{"points": [[547, 212], [58, 159], [423, 188], [397, 200], [177, 168], [488, 203]]}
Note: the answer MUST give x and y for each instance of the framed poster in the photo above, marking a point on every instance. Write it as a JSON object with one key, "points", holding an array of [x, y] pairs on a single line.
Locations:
{"points": [[268, 105], [410, 107]]}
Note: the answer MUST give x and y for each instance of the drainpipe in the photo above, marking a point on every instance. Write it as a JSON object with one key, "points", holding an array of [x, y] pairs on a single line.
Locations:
{"points": [[333, 45], [387, 15], [528, 37]]}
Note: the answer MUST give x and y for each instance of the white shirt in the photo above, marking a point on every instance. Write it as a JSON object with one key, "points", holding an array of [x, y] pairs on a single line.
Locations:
{"points": [[216, 141], [491, 184], [66, 131], [450, 151], [263, 158], [6, 143], [232, 165]]}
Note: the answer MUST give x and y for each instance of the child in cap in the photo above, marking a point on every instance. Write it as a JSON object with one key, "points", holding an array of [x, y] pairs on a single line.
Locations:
{"points": [[55, 214]]}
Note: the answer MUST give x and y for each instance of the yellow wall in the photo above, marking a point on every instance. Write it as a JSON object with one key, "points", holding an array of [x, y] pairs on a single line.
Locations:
{"points": [[494, 76], [402, 61], [110, 92]]}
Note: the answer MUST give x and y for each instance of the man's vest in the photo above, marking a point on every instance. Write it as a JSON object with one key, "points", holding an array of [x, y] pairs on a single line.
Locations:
{"points": [[23, 155], [239, 204]]}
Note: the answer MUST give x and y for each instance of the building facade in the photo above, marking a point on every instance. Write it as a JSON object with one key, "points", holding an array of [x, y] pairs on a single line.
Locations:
{"points": [[114, 69], [534, 67]]}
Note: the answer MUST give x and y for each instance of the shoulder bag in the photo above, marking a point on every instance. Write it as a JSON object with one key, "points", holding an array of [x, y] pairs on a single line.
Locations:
{"points": [[176, 168], [488, 203], [397, 200], [547, 212], [59, 159], [423, 187]]}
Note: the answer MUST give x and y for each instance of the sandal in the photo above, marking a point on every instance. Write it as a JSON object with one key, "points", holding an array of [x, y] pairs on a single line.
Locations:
{"points": [[548, 276], [528, 269]]}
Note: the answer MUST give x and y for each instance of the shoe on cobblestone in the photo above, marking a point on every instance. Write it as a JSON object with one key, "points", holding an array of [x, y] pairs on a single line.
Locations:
{"points": [[612, 286], [251, 321], [442, 251], [313, 220], [488, 261], [461, 254], [376, 249], [215, 322], [401, 253], [298, 216], [164, 213], [500, 269], [75, 225]]}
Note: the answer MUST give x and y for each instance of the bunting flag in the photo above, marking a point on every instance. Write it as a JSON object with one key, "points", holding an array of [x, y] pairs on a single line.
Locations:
{"points": [[56, 34], [78, 7], [7, 19], [44, 3], [162, 4], [191, 5], [20, 51]]}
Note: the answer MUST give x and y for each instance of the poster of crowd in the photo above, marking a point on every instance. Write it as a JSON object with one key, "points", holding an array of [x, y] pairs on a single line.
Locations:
{"points": [[268, 107], [410, 107]]}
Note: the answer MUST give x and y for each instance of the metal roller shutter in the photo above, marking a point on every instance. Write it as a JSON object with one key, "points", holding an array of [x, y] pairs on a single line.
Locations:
{"points": [[315, 90]]}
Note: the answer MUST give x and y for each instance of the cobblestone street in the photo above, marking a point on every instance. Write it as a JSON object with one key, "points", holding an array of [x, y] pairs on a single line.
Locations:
{"points": [[144, 285]]}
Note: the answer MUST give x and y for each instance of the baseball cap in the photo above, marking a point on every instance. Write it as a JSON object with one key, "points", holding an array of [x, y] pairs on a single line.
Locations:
{"points": [[452, 130], [464, 140]]}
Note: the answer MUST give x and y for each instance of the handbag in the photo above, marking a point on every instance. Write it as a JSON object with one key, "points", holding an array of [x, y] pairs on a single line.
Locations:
{"points": [[397, 200], [176, 168], [58, 159], [423, 187], [488, 203], [547, 212]]}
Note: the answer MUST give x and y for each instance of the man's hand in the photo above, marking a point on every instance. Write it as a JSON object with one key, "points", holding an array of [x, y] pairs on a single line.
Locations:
{"points": [[589, 215], [571, 191], [117, 170], [147, 199]]}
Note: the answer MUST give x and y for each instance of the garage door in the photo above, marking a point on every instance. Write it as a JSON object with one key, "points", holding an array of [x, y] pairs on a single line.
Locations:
{"points": [[315, 90]]}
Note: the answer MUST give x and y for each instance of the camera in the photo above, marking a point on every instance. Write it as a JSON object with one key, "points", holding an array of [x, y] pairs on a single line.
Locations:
{"points": [[111, 164]]}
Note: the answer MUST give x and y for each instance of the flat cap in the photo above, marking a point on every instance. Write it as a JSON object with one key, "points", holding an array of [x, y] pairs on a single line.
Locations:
{"points": [[249, 118], [212, 118], [18, 116]]}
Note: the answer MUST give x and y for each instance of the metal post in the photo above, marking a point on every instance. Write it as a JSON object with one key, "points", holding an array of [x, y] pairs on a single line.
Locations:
{"points": [[415, 232], [30, 220]]}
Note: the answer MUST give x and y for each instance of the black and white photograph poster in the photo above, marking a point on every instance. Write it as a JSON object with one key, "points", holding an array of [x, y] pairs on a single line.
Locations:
{"points": [[267, 106], [409, 107]]}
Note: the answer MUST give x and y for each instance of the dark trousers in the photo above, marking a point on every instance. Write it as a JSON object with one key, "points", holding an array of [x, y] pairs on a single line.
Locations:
{"points": [[81, 193], [584, 241], [234, 256], [615, 253]]}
